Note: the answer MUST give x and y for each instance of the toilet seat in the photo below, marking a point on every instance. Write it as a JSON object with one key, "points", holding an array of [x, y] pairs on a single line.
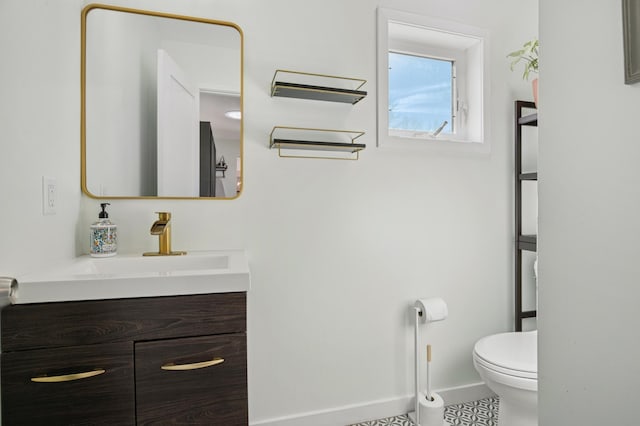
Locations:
{"points": [[509, 354], [507, 363]]}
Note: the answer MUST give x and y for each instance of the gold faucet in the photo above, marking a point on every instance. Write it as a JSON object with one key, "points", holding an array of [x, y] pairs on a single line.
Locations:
{"points": [[162, 228]]}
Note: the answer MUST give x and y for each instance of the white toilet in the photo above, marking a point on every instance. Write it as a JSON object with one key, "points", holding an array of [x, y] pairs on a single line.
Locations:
{"points": [[508, 364]]}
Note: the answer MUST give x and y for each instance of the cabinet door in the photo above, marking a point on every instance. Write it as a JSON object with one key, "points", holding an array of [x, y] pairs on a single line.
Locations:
{"points": [[80, 385], [192, 381]]}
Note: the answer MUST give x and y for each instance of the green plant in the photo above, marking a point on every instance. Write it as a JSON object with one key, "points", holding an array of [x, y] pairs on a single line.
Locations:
{"points": [[529, 55]]}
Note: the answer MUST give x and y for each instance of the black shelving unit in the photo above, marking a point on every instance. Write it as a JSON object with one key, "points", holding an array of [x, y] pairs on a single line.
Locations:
{"points": [[522, 242]]}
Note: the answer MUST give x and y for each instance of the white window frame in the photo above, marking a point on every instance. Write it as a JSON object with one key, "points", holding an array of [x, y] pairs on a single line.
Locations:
{"points": [[468, 47]]}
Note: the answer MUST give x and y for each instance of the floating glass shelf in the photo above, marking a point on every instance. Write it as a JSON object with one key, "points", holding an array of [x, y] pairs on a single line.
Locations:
{"points": [[320, 87], [335, 144]]}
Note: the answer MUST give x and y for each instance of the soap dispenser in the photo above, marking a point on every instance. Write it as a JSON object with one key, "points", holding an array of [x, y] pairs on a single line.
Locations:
{"points": [[104, 235]]}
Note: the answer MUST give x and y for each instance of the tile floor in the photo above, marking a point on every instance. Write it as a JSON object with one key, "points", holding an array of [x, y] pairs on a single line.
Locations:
{"points": [[475, 413]]}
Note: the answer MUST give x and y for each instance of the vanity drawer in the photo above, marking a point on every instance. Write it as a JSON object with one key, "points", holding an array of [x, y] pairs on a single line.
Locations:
{"points": [[175, 383], [102, 399], [48, 325]]}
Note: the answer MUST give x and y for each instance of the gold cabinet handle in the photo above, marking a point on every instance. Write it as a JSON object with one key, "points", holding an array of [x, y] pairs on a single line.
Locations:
{"points": [[68, 377], [193, 366]]}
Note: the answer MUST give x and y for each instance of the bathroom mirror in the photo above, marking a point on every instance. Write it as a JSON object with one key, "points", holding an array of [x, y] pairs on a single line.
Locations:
{"points": [[161, 105]]}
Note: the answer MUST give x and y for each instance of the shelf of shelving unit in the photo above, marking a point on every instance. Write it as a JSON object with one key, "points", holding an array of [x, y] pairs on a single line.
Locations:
{"points": [[527, 242], [529, 176], [528, 120], [523, 242], [341, 143], [319, 87]]}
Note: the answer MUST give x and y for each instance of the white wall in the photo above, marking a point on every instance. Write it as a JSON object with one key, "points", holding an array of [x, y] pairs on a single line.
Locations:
{"points": [[589, 209], [338, 249]]}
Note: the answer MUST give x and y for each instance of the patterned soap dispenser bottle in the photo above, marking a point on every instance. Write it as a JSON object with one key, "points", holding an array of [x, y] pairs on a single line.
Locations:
{"points": [[104, 235]]}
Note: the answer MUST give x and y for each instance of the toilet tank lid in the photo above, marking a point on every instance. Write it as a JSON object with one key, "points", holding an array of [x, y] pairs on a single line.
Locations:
{"points": [[515, 351]]}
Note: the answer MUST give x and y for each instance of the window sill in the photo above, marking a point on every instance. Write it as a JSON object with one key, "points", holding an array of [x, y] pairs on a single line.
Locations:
{"points": [[441, 143]]}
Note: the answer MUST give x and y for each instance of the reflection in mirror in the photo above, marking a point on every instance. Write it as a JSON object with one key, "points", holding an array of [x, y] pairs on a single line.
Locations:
{"points": [[161, 105]]}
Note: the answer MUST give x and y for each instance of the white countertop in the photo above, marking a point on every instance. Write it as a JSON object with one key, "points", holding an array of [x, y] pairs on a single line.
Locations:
{"points": [[132, 275]]}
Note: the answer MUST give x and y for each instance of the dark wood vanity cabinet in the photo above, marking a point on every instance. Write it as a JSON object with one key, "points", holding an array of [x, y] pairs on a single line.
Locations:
{"points": [[214, 395], [164, 360], [104, 399]]}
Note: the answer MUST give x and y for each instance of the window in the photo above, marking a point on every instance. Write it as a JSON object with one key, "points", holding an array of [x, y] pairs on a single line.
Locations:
{"points": [[432, 81], [421, 94]]}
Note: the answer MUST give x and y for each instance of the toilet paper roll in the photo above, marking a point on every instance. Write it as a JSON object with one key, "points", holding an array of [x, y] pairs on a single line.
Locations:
{"points": [[431, 412], [434, 309]]}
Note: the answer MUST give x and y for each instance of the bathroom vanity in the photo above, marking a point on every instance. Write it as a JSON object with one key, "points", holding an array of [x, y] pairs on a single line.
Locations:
{"points": [[177, 359], [126, 343]]}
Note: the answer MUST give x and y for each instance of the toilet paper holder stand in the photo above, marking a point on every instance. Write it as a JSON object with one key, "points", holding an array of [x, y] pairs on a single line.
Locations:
{"points": [[427, 412]]}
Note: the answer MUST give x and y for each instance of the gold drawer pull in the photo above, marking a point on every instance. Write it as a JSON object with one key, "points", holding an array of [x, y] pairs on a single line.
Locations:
{"points": [[67, 377], [193, 366]]}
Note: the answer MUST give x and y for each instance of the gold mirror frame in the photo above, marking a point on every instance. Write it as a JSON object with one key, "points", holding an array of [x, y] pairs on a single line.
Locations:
{"points": [[83, 63]]}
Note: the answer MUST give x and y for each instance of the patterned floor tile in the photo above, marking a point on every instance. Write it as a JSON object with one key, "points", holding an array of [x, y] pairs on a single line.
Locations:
{"points": [[475, 413], [483, 412], [391, 421]]}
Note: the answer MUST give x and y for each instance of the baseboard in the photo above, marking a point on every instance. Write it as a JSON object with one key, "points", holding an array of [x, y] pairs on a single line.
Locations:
{"points": [[349, 414]]}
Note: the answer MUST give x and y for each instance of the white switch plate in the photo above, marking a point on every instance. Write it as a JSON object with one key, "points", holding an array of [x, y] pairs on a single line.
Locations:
{"points": [[49, 195]]}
